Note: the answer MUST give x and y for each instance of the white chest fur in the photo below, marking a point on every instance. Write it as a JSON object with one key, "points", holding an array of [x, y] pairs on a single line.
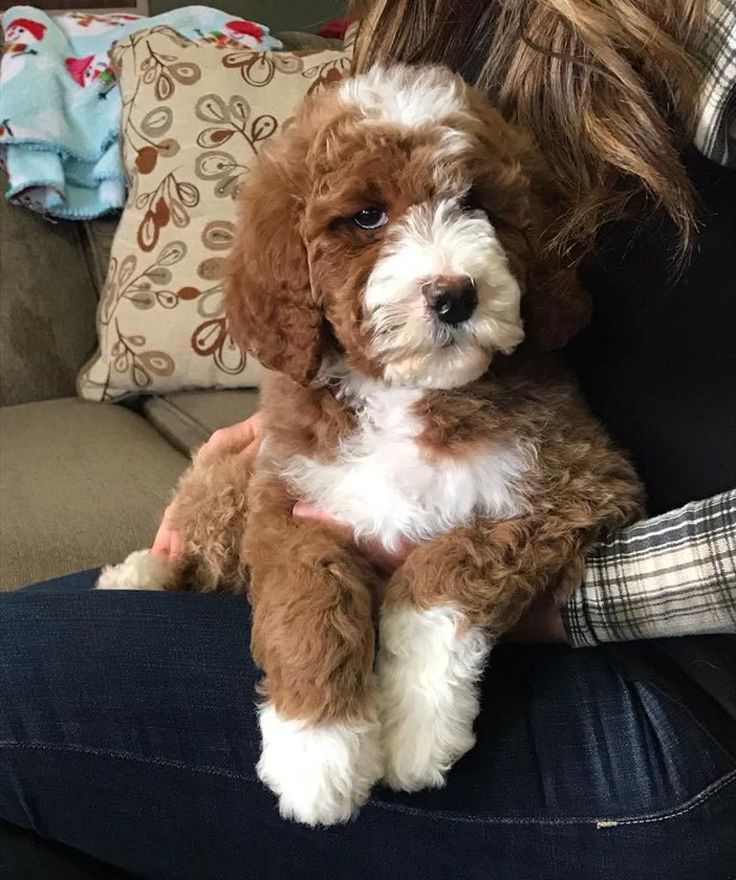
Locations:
{"points": [[384, 484]]}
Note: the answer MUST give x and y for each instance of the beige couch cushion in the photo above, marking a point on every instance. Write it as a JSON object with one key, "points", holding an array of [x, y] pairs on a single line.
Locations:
{"points": [[187, 419], [81, 484]]}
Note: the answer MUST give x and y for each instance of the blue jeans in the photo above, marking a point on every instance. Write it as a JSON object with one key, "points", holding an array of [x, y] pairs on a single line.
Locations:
{"points": [[128, 732]]}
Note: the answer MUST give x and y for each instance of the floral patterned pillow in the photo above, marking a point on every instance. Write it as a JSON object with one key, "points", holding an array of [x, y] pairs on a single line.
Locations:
{"points": [[195, 116]]}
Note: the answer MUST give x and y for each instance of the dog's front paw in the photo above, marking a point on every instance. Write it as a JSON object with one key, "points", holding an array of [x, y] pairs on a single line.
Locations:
{"points": [[323, 773], [429, 665], [141, 570], [419, 751]]}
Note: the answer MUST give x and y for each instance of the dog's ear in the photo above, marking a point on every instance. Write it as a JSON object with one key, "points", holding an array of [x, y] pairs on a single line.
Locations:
{"points": [[271, 309], [555, 307]]}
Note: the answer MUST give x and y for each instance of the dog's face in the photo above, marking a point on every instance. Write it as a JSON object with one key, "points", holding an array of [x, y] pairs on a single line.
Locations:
{"points": [[391, 231]]}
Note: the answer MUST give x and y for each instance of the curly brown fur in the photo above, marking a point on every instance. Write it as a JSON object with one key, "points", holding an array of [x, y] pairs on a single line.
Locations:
{"points": [[297, 271], [397, 418], [211, 513], [312, 625], [294, 298], [582, 485]]}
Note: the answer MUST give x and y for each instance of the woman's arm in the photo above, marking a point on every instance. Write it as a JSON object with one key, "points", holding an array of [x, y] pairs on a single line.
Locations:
{"points": [[673, 575]]}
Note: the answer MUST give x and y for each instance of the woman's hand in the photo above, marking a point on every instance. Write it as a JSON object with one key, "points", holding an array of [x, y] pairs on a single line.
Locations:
{"points": [[241, 439], [542, 622], [386, 561]]}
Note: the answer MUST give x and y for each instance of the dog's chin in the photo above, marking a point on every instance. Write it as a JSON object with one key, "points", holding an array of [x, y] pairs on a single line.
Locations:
{"points": [[417, 351], [450, 366]]}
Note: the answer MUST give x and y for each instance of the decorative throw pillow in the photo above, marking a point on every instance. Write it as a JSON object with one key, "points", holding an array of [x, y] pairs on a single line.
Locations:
{"points": [[194, 118]]}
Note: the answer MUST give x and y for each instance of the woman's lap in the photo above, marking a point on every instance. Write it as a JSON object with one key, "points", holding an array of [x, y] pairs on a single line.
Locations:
{"points": [[128, 731]]}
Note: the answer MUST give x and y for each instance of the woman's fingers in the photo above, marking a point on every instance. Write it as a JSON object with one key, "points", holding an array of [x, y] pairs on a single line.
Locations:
{"points": [[302, 510], [387, 560], [242, 437], [541, 623], [175, 545], [167, 542]]}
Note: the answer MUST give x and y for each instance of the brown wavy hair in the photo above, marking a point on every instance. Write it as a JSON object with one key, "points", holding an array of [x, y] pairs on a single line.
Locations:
{"points": [[607, 87]]}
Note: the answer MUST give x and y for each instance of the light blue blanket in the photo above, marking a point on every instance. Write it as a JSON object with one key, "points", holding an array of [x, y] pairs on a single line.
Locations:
{"points": [[60, 104]]}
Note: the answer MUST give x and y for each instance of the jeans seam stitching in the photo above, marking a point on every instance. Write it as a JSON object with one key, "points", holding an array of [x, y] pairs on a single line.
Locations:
{"points": [[696, 801], [601, 824], [129, 756]]}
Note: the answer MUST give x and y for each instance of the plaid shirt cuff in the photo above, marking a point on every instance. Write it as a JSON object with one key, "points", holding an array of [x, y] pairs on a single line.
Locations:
{"points": [[672, 575]]}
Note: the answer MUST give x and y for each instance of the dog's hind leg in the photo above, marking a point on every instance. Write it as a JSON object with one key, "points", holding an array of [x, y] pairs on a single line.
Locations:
{"points": [[141, 570], [210, 513]]}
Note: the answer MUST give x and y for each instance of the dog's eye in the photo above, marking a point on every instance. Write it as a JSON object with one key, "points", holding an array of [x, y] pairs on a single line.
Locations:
{"points": [[370, 218]]}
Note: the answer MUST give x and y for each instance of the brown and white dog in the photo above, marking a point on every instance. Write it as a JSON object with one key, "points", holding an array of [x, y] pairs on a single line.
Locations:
{"points": [[390, 242]]}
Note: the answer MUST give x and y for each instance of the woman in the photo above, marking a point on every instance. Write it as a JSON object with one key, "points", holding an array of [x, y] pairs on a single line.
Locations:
{"points": [[127, 727]]}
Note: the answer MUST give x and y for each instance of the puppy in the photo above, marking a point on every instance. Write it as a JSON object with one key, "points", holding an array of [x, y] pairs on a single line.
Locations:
{"points": [[390, 259]]}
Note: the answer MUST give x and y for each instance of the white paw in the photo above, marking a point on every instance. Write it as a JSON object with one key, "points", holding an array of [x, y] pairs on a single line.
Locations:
{"points": [[428, 669], [142, 570], [322, 774]]}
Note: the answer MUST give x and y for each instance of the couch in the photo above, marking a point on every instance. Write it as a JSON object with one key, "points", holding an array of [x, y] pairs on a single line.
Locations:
{"points": [[81, 483]]}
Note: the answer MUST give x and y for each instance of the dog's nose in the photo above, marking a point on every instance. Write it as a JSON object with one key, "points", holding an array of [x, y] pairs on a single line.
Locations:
{"points": [[453, 299]]}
